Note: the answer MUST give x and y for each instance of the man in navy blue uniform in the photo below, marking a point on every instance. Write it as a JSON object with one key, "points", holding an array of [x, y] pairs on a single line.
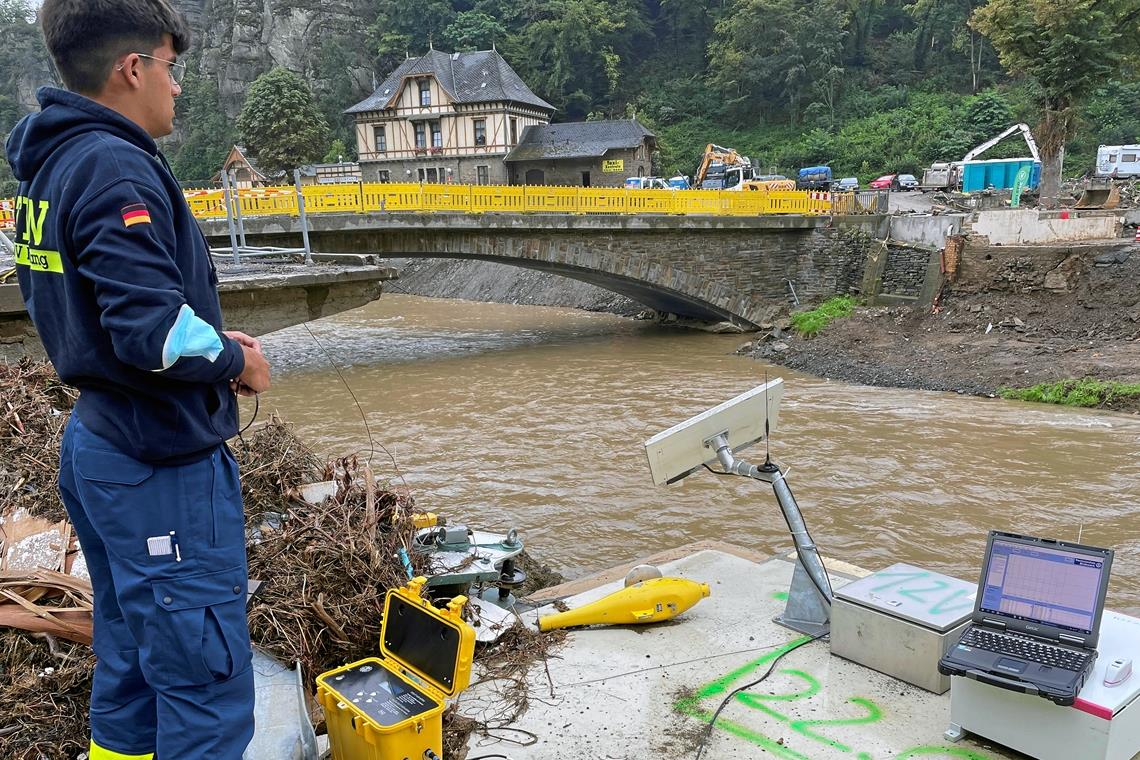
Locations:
{"points": [[118, 280]]}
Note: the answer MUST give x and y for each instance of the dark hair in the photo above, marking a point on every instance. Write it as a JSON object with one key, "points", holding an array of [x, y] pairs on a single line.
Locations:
{"points": [[85, 37]]}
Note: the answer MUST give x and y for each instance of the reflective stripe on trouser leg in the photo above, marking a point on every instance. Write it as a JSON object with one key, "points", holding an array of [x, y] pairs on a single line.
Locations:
{"points": [[99, 753], [186, 611]]}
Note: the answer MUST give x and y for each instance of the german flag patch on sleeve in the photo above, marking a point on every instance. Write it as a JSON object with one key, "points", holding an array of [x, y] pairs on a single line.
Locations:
{"points": [[136, 213]]}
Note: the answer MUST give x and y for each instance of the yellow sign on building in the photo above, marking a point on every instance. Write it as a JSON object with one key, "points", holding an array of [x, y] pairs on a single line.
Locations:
{"points": [[613, 165]]}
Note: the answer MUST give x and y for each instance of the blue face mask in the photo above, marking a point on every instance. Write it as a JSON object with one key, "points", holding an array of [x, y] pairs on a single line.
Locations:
{"points": [[190, 336]]}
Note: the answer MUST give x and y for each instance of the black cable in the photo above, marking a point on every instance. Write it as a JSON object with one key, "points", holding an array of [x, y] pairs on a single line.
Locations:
{"points": [[256, 408], [487, 757], [734, 692], [359, 408]]}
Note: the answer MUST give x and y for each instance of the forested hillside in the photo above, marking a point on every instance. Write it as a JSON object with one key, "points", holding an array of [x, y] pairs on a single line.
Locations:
{"points": [[867, 86]]}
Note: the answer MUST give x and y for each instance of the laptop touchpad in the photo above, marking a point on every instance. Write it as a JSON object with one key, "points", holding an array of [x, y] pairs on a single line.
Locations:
{"points": [[1010, 666]]}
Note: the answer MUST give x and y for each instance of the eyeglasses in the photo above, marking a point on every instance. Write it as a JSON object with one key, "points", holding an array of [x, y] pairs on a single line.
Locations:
{"points": [[177, 70]]}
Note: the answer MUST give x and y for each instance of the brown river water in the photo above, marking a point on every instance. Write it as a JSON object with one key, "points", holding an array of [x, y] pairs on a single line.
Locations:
{"points": [[535, 418]]}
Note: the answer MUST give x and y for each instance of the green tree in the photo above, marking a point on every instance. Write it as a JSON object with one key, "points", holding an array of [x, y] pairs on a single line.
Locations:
{"points": [[775, 56], [280, 123], [209, 134], [474, 30], [574, 54], [337, 152], [333, 65], [408, 27], [1067, 50]]}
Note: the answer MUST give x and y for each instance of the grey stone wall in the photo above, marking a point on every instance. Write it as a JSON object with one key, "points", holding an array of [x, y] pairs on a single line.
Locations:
{"points": [[905, 272], [569, 171]]}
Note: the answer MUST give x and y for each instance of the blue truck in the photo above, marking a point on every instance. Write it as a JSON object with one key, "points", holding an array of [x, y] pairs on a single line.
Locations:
{"points": [[814, 178]]}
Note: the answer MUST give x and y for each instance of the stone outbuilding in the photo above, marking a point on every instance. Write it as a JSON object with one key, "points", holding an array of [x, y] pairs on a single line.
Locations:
{"points": [[445, 117], [584, 154]]}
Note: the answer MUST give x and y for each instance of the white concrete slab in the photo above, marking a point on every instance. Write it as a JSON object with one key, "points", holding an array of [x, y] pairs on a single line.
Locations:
{"points": [[648, 692]]}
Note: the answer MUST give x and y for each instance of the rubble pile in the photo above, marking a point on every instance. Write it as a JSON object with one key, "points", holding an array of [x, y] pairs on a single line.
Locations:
{"points": [[324, 570]]}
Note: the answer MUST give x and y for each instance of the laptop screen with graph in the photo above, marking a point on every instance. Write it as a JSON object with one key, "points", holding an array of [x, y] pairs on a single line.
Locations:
{"points": [[1052, 584]]}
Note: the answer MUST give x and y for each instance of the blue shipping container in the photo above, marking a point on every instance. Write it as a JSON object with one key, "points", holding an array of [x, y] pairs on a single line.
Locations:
{"points": [[998, 173]]}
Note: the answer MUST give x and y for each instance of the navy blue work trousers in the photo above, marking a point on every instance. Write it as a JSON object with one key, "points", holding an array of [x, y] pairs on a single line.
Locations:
{"points": [[173, 674]]}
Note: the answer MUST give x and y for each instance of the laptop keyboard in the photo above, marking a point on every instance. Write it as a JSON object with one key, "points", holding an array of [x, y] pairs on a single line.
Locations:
{"points": [[1026, 648]]}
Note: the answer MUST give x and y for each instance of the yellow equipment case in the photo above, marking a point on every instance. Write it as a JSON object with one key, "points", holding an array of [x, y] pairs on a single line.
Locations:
{"points": [[391, 708]]}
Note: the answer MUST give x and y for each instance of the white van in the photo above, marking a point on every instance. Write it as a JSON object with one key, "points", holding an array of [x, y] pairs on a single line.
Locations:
{"points": [[1118, 161]]}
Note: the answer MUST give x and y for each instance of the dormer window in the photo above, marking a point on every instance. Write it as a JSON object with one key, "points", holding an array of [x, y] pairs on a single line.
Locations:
{"points": [[425, 92]]}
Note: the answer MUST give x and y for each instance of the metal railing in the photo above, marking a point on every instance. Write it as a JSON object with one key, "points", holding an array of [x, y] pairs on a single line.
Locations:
{"points": [[518, 199]]}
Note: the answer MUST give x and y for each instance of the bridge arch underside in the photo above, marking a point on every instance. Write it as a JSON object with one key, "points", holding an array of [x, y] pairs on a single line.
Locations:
{"points": [[744, 275], [654, 296]]}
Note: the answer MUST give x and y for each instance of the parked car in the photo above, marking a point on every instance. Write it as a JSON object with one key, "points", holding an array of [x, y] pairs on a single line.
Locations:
{"points": [[847, 184], [906, 182], [885, 182]]}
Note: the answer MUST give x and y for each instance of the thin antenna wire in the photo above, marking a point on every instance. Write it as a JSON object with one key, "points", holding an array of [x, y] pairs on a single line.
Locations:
{"points": [[371, 442], [767, 457]]}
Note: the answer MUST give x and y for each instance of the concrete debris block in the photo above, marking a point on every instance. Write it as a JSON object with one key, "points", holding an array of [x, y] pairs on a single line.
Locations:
{"points": [[30, 542], [317, 493], [780, 346], [976, 308], [79, 566], [490, 620], [282, 730]]}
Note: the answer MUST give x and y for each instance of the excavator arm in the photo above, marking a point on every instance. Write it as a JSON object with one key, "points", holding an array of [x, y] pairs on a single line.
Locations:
{"points": [[1023, 128], [727, 156]]}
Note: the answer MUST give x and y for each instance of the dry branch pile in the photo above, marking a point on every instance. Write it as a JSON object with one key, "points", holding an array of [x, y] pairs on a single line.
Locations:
{"points": [[325, 570], [33, 410]]}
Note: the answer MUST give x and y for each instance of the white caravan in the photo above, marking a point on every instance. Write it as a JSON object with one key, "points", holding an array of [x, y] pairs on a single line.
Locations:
{"points": [[1118, 161]]}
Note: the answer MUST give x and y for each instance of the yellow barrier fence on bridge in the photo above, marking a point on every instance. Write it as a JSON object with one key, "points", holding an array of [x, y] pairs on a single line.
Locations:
{"points": [[524, 199]]}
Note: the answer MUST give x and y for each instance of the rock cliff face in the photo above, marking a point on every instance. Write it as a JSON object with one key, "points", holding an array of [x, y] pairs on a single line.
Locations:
{"points": [[238, 40], [234, 41]]}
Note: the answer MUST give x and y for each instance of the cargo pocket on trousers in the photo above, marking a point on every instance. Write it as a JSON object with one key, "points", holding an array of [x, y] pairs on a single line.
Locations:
{"points": [[198, 634]]}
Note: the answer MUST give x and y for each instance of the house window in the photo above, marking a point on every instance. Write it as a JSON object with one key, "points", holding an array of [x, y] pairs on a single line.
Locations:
{"points": [[481, 176], [436, 135], [380, 139], [384, 176], [425, 92], [422, 174], [421, 135], [480, 131], [433, 175], [514, 131]]}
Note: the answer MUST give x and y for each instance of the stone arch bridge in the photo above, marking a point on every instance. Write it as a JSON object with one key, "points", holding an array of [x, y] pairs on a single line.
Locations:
{"points": [[739, 269]]}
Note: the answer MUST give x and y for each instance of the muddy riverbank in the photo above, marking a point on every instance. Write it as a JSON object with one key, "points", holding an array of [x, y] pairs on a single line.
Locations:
{"points": [[1052, 321]]}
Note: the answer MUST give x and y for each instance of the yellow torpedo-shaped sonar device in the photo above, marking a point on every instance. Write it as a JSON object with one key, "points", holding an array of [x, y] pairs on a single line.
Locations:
{"points": [[649, 601]]}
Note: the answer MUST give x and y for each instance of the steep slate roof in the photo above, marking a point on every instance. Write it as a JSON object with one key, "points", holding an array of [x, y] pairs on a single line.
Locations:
{"points": [[480, 77], [580, 139]]}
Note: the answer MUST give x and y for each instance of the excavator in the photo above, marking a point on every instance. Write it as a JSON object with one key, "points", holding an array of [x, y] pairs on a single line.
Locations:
{"points": [[722, 169]]}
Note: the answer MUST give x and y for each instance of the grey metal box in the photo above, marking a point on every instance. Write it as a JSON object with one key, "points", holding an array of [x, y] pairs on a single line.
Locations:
{"points": [[900, 621]]}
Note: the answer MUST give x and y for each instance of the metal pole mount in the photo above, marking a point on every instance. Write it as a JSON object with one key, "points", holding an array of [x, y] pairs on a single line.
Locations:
{"points": [[808, 608]]}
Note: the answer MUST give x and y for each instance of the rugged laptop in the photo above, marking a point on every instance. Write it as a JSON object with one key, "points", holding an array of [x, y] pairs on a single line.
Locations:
{"points": [[1036, 617]]}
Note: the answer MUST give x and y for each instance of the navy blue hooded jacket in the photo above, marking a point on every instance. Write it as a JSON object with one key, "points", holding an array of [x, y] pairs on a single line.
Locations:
{"points": [[107, 255]]}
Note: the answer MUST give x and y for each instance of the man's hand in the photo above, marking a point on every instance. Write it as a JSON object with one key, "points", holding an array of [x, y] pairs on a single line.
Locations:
{"points": [[255, 377], [245, 340]]}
